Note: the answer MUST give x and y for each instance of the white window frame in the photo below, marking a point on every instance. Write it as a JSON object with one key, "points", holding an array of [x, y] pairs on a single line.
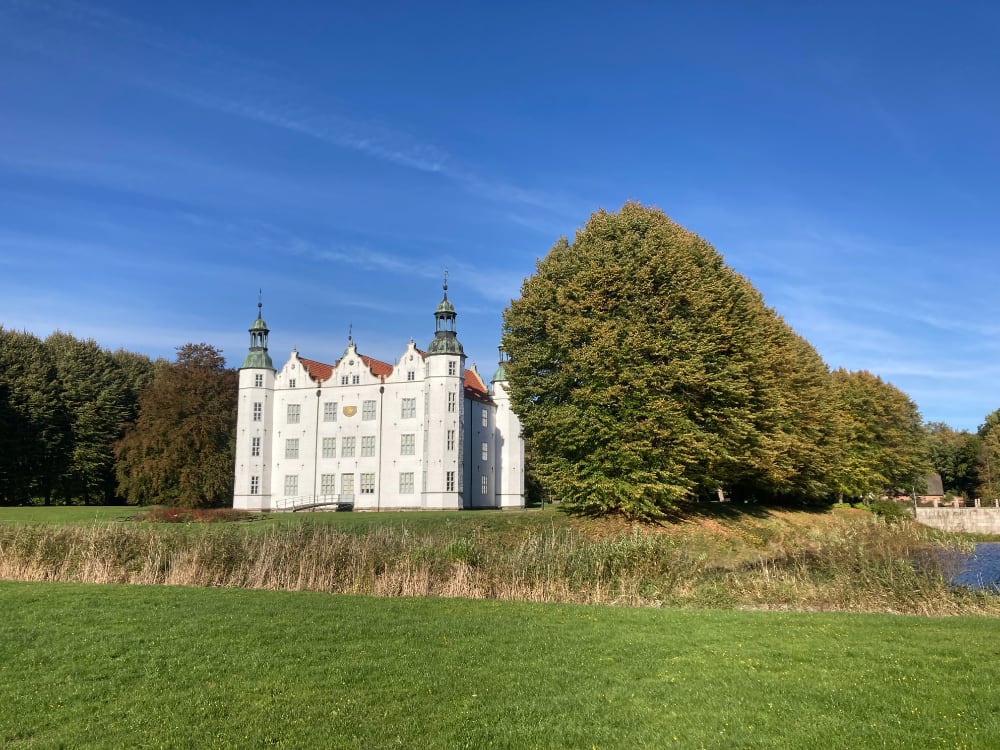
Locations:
{"points": [[329, 411], [449, 481], [347, 445], [406, 483], [347, 484], [291, 448], [329, 447], [408, 408], [408, 444], [258, 411], [254, 485], [452, 401], [291, 485], [368, 410], [367, 483], [367, 446], [328, 484], [293, 413], [255, 446]]}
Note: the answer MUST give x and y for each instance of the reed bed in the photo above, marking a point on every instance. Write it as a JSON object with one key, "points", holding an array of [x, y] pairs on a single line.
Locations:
{"points": [[863, 565]]}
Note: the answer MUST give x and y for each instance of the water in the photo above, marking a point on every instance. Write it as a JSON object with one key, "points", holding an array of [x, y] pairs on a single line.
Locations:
{"points": [[982, 568]]}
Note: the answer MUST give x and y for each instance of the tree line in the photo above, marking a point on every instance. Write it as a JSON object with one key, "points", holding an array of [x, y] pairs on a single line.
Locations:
{"points": [[80, 424], [648, 374]]}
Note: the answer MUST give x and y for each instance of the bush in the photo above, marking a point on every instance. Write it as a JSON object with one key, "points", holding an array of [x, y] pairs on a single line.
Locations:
{"points": [[891, 510]]}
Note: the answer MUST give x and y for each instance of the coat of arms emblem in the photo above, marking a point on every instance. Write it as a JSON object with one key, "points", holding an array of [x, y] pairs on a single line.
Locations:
{"points": [[350, 411]]}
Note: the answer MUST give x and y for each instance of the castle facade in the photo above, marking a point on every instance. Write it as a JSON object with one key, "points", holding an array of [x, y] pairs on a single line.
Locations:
{"points": [[421, 433]]}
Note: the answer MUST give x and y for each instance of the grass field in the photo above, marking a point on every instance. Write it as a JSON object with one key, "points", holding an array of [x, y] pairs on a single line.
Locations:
{"points": [[117, 666]]}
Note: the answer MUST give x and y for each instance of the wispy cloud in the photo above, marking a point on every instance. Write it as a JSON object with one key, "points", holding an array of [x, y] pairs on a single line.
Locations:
{"points": [[270, 97]]}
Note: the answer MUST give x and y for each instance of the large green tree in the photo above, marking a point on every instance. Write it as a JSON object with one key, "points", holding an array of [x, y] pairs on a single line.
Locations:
{"points": [[181, 448], [646, 372], [885, 445], [34, 423], [101, 399], [988, 458], [953, 456]]}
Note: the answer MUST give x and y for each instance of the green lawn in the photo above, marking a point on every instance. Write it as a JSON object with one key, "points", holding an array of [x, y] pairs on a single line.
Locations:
{"points": [[116, 666], [66, 514], [486, 520]]}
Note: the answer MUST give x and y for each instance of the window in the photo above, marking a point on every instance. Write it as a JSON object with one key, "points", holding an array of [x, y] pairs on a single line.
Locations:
{"points": [[368, 410], [451, 368], [291, 383], [367, 484], [291, 484], [347, 447], [255, 446], [292, 448], [407, 444], [486, 451], [485, 482], [258, 381], [330, 447], [254, 485], [486, 417], [355, 379], [258, 409], [330, 411], [411, 375], [451, 440], [346, 484], [449, 481], [344, 379], [293, 413], [409, 410], [452, 401], [368, 445], [326, 484], [406, 483]]}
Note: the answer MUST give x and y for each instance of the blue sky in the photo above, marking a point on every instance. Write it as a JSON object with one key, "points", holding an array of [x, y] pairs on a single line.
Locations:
{"points": [[161, 162]]}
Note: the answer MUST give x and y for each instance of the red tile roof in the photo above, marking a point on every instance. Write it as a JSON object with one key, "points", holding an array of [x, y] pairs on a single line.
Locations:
{"points": [[378, 367], [320, 371], [475, 388], [317, 370]]}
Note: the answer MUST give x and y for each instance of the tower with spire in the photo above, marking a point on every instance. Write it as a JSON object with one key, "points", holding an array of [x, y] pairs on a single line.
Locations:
{"points": [[252, 487], [444, 457]]}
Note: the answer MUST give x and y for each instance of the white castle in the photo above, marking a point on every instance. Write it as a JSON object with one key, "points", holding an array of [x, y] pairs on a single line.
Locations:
{"points": [[424, 433]]}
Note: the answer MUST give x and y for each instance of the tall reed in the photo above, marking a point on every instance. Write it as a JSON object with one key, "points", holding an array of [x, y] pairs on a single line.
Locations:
{"points": [[865, 566]]}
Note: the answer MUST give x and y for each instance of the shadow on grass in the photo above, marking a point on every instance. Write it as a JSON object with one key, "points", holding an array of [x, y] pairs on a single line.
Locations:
{"points": [[731, 510]]}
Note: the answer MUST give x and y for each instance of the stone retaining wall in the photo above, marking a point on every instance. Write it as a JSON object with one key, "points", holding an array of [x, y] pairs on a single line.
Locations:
{"points": [[977, 520]]}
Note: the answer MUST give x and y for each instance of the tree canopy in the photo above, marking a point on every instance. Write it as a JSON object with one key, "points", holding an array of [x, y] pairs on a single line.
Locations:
{"points": [[647, 373], [181, 448]]}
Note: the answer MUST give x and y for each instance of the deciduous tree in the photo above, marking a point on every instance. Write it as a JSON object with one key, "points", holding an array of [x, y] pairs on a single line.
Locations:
{"points": [[646, 372], [181, 448], [885, 446]]}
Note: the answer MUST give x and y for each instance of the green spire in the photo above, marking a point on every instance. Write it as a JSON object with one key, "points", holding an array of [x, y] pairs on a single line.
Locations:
{"points": [[445, 338], [258, 358]]}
